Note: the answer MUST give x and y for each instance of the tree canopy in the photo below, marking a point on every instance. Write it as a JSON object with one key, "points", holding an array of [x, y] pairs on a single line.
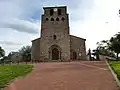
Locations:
{"points": [[2, 52], [110, 47], [25, 52], [22, 55], [115, 44]]}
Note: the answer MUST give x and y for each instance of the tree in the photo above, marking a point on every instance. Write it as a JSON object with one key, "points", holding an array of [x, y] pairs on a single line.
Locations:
{"points": [[10, 55], [2, 52], [104, 48], [25, 52], [110, 47], [14, 57], [115, 44], [96, 54]]}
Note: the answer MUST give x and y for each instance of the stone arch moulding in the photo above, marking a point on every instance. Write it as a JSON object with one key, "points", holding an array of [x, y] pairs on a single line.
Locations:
{"points": [[52, 19], [47, 19], [57, 19], [63, 18], [55, 49]]}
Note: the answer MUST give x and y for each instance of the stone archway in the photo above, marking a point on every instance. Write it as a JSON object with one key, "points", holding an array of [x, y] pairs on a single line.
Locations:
{"points": [[55, 52]]}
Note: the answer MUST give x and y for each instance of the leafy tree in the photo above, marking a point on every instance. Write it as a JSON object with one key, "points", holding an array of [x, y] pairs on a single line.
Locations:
{"points": [[25, 52], [14, 57], [104, 48], [12, 54], [115, 44], [96, 54], [2, 52], [110, 47]]}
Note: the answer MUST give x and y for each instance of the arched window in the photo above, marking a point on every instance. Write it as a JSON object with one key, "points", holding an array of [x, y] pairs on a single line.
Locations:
{"points": [[63, 18], [54, 37], [47, 19], [51, 12], [59, 11], [52, 19], [57, 19]]}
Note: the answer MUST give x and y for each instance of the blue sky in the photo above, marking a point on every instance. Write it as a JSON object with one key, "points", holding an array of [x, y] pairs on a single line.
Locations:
{"points": [[94, 20]]}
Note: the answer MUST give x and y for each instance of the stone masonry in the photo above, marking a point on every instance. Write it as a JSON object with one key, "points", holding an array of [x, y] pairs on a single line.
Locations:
{"points": [[55, 42]]}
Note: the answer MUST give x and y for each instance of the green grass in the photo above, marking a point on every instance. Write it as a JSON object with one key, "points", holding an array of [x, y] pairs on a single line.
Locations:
{"points": [[9, 73], [116, 67]]}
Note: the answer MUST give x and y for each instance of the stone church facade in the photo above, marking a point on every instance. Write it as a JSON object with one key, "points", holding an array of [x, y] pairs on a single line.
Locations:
{"points": [[55, 42]]}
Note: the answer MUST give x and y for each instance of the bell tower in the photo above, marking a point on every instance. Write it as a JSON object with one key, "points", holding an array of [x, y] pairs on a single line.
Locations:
{"points": [[54, 21], [55, 34]]}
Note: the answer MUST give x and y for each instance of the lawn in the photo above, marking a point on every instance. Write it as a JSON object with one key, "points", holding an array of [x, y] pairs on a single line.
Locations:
{"points": [[116, 67], [9, 73]]}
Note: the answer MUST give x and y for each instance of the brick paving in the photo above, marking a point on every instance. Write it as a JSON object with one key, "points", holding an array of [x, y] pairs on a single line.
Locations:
{"points": [[83, 75]]}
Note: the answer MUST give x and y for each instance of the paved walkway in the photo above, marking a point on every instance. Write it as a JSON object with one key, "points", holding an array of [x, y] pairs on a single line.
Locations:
{"points": [[84, 75]]}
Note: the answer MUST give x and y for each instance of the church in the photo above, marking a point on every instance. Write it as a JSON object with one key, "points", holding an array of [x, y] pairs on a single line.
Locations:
{"points": [[55, 42]]}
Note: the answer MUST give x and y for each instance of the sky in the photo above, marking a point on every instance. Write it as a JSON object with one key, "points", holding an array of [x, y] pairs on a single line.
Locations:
{"points": [[94, 20]]}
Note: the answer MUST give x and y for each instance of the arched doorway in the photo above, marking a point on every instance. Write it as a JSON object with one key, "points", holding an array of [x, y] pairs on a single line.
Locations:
{"points": [[55, 54], [74, 55]]}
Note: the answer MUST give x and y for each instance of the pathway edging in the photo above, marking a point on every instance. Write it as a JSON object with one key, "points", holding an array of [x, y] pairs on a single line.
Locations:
{"points": [[113, 73]]}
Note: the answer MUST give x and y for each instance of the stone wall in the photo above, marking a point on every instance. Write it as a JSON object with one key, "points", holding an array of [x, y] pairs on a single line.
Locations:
{"points": [[35, 54], [64, 44], [59, 28], [78, 45], [57, 25]]}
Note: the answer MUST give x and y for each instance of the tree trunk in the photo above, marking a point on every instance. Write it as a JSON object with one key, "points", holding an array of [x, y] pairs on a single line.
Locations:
{"points": [[117, 56]]}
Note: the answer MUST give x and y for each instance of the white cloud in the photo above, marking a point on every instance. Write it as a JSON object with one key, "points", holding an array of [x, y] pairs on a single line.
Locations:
{"points": [[16, 26], [9, 43], [94, 20], [102, 22], [20, 25]]}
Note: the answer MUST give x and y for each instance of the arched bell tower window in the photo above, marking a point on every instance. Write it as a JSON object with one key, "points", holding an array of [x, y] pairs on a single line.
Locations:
{"points": [[51, 12], [52, 19], [59, 11], [57, 19], [63, 18], [54, 37], [47, 19]]}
